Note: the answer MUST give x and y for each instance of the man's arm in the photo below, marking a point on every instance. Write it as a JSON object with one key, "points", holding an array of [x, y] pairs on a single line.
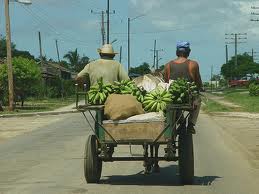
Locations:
{"points": [[167, 73], [83, 77], [82, 74], [122, 73], [195, 74]]}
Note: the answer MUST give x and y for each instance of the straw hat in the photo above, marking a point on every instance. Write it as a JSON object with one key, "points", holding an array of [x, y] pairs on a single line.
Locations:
{"points": [[106, 49]]}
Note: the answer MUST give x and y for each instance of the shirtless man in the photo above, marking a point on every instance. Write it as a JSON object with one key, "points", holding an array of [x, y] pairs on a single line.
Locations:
{"points": [[182, 67]]}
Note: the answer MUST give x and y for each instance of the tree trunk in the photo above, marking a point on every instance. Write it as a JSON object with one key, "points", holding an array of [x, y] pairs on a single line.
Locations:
{"points": [[1, 108]]}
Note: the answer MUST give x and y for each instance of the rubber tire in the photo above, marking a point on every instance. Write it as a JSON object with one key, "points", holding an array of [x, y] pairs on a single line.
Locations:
{"points": [[186, 158], [92, 164]]}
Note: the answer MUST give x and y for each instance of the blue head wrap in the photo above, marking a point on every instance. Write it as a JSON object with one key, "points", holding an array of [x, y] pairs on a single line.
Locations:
{"points": [[182, 45]]}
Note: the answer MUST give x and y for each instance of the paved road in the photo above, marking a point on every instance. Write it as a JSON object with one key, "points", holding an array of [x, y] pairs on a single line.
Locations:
{"points": [[48, 160]]}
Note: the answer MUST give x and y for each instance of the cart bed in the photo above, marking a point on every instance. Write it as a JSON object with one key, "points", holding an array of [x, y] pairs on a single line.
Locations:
{"points": [[124, 130]]}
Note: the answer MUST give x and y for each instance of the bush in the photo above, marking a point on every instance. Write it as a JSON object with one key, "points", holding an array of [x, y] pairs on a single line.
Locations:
{"points": [[57, 86], [254, 89], [27, 76]]}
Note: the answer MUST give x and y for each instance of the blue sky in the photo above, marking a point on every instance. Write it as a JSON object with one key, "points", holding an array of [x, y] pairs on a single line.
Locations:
{"points": [[202, 22]]}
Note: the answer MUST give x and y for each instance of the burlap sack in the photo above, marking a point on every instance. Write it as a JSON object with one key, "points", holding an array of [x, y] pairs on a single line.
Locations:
{"points": [[119, 107]]}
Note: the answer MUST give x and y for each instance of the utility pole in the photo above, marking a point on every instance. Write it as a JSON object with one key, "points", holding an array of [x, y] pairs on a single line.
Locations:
{"points": [[108, 21], [154, 54], [9, 57], [254, 14], [41, 55], [128, 44], [226, 53], [253, 54], [211, 75], [156, 58], [254, 20], [102, 25], [57, 50], [120, 53], [103, 29], [235, 50], [236, 37], [60, 71], [129, 20]]}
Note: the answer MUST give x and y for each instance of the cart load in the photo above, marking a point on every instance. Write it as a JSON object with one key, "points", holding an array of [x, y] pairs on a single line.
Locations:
{"points": [[129, 98], [119, 107], [166, 111]]}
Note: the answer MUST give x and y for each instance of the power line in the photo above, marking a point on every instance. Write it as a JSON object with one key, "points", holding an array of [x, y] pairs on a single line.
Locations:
{"points": [[61, 37], [43, 13], [170, 30], [51, 27], [102, 24], [235, 37], [253, 54]]}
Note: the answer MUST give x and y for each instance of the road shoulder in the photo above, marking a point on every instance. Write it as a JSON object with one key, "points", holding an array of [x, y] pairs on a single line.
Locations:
{"points": [[242, 129]]}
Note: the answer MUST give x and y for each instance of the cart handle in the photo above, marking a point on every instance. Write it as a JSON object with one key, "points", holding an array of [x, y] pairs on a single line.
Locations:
{"points": [[103, 128]]}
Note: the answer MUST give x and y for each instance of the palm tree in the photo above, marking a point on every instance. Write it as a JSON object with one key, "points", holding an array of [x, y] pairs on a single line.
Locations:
{"points": [[73, 58]]}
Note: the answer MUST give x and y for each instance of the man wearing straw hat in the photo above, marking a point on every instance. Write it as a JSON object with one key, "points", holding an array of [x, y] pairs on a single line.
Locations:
{"points": [[107, 68]]}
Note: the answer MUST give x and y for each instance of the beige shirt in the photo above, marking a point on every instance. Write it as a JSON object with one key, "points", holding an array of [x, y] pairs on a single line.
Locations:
{"points": [[109, 69]]}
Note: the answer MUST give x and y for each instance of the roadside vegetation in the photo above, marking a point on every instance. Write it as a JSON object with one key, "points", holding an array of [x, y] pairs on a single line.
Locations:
{"points": [[241, 97], [247, 102], [33, 90], [212, 106], [41, 105]]}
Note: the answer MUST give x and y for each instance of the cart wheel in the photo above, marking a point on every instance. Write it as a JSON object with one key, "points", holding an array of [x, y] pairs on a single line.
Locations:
{"points": [[92, 164], [186, 159]]}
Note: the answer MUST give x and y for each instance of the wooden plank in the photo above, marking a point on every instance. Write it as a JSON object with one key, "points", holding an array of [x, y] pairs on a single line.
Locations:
{"points": [[135, 131], [133, 121], [90, 107]]}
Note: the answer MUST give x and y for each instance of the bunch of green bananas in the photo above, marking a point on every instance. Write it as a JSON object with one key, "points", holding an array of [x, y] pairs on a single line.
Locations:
{"points": [[98, 93], [157, 100], [124, 87], [139, 93], [182, 90]]}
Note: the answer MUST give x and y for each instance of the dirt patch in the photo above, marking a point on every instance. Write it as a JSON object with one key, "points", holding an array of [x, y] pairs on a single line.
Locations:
{"points": [[244, 130], [222, 101], [237, 114], [11, 127]]}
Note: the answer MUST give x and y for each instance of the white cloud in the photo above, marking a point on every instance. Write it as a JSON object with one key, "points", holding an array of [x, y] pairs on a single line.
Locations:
{"points": [[164, 23], [223, 15], [89, 24]]}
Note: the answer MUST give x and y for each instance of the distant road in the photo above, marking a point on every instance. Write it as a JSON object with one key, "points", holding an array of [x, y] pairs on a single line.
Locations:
{"points": [[49, 160]]}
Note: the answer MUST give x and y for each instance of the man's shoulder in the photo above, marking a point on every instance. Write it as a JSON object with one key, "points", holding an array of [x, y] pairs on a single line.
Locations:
{"points": [[94, 62], [170, 62], [193, 63]]}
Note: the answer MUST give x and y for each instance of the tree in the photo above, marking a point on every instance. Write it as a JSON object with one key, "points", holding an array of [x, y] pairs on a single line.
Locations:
{"points": [[245, 66], [215, 78], [3, 47], [141, 70], [27, 77], [64, 64], [161, 67], [73, 58], [83, 62], [15, 52], [75, 61]]}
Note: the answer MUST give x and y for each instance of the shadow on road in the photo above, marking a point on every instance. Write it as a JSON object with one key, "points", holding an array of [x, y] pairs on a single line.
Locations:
{"points": [[168, 176]]}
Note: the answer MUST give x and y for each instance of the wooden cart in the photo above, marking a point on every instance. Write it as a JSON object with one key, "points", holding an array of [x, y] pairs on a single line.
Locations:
{"points": [[170, 132]]}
